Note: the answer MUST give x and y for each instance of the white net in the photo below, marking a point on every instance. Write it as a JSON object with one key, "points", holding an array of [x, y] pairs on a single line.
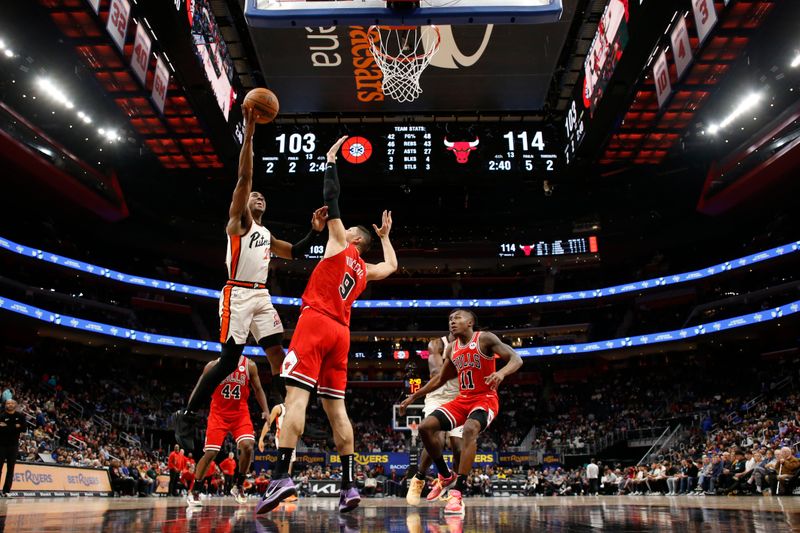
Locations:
{"points": [[402, 53]]}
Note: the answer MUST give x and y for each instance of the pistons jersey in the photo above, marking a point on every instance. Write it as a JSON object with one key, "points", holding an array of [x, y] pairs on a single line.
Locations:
{"points": [[248, 255], [473, 366], [230, 396], [335, 284]]}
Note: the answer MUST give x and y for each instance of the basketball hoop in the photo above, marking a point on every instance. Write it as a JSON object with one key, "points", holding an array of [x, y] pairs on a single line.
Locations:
{"points": [[402, 53]]}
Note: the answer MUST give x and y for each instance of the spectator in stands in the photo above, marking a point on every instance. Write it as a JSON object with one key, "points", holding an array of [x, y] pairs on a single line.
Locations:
{"points": [[175, 464], [262, 481], [12, 423], [592, 475], [688, 476], [609, 483], [124, 485], [186, 480], [787, 468], [228, 467], [396, 484]]}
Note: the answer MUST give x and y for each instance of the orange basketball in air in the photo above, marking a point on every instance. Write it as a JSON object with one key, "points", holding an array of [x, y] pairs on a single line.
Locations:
{"points": [[264, 103]]}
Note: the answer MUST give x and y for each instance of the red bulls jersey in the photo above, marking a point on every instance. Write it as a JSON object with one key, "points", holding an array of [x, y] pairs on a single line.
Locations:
{"points": [[473, 366], [230, 396], [336, 283]]}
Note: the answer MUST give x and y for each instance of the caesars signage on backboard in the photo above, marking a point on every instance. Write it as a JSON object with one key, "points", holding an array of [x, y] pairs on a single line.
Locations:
{"points": [[477, 67], [51, 478]]}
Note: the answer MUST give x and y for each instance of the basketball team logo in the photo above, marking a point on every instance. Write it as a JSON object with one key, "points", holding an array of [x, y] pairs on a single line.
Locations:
{"points": [[357, 150], [241, 368]]}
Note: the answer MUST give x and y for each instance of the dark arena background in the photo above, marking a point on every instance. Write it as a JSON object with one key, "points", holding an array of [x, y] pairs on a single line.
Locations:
{"points": [[610, 186]]}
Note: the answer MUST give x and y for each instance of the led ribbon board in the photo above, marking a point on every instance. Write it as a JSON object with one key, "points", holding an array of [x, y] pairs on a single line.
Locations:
{"points": [[582, 348], [589, 294]]}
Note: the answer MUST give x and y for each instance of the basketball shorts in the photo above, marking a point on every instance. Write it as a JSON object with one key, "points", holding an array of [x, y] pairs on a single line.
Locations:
{"points": [[243, 311], [237, 424], [317, 356], [458, 410], [433, 403]]}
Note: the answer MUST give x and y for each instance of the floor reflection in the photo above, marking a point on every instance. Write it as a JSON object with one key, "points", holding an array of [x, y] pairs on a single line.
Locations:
{"points": [[391, 515]]}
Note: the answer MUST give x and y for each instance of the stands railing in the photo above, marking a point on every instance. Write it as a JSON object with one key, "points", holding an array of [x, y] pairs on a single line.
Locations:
{"points": [[592, 447], [527, 442], [97, 419], [660, 438], [75, 406]]}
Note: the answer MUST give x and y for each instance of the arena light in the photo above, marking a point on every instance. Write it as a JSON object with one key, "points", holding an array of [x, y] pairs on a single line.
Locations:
{"points": [[745, 105], [796, 61], [8, 52], [111, 135]]}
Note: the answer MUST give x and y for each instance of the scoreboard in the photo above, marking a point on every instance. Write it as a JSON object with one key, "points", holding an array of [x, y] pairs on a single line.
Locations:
{"points": [[415, 150], [572, 246]]}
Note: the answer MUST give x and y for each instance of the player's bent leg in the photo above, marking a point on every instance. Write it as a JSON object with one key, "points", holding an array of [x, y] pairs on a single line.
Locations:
{"points": [[281, 486], [417, 483], [186, 420], [275, 355], [193, 494], [438, 421], [246, 446], [472, 428], [349, 498]]}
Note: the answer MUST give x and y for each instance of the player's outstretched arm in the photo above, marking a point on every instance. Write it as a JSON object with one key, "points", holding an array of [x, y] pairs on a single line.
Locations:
{"points": [[239, 217], [287, 250], [490, 344], [388, 266], [255, 383], [337, 237], [447, 373]]}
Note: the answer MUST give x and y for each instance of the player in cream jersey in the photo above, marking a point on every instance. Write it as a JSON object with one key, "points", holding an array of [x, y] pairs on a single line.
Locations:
{"points": [[245, 305], [433, 400]]}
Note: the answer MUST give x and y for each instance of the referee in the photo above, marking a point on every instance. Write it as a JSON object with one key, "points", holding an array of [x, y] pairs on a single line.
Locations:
{"points": [[12, 424]]}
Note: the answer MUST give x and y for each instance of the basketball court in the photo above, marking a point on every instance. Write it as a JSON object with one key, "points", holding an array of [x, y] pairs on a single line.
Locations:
{"points": [[501, 514]]}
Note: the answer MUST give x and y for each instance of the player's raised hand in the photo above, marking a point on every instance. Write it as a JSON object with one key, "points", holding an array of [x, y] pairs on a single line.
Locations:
{"points": [[261, 445], [319, 218], [334, 150], [249, 122], [493, 380], [386, 225]]}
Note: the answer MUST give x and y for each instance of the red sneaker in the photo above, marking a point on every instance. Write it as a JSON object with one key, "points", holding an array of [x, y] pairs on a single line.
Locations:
{"points": [[442, 484]]}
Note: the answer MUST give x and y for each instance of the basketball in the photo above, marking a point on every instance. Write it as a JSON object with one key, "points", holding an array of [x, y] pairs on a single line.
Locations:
{"points": [[264, 103]]}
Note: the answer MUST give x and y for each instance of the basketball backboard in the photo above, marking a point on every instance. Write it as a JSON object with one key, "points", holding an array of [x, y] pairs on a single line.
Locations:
{"points": [[301, 13]]}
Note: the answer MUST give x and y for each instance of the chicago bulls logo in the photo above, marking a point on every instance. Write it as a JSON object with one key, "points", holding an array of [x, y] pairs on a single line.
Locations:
{"points": [[462, 148]]}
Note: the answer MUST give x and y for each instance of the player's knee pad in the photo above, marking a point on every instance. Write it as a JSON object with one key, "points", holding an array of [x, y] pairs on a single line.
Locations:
{"points": [[271, 340], [444, 422], [481, 417]]}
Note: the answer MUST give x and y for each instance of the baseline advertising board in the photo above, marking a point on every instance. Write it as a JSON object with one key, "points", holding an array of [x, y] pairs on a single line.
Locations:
{"points": [[389, 461], [54, 479]]}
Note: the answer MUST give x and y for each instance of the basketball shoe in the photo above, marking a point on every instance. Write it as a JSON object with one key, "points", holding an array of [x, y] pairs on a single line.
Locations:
{"points": [[441, 485], [455, 506], [415, 491]]}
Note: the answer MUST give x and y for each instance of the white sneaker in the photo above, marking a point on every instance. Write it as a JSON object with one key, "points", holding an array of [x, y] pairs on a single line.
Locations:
{"points": [[192, 502], [238, 495]]}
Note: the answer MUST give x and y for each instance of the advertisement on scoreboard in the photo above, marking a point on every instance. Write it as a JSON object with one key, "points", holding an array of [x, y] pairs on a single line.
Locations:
{"points": [[477, 67], [414, 149]]}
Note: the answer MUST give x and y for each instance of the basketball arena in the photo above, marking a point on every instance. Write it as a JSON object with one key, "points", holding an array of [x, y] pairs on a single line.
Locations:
{"points": [[399, 265]]}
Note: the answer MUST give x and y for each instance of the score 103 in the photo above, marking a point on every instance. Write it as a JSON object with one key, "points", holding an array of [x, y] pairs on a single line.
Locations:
{"points": [[298, 149], [530, 146]]}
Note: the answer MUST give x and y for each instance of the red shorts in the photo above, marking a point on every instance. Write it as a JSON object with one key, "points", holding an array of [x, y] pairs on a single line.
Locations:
{"points": [[317, 355], [219, 425], [459, 409]]}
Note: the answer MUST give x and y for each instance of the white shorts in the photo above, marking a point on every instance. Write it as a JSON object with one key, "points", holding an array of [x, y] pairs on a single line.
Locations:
{"points": [[243, 311], [432, 404]]}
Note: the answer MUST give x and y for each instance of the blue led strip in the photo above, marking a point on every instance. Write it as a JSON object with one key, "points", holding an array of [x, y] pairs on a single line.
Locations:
{"points": [[586, 347], [431, 304]]}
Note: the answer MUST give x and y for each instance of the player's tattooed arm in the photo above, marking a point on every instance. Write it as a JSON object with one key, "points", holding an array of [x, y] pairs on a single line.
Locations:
{"points": [[239, 217], [490, 344]]}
